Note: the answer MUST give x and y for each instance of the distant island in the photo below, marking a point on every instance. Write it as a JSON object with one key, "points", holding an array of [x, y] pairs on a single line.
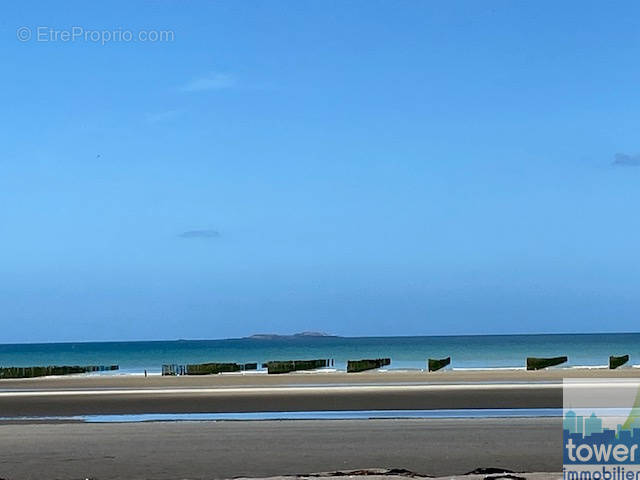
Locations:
{"points": [[273, 336]]}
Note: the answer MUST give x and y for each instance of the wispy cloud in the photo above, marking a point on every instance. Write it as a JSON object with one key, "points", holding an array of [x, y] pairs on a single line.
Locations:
{"points": [[200, 234], [625, 160], [212, 81], [159, 117]]}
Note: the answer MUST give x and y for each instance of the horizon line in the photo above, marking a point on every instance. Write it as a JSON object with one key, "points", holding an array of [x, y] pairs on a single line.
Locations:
{"points": [[297, 335]]}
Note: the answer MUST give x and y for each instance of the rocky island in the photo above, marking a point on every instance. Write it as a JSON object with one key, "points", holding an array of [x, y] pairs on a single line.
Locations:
{"points": [[273, 336]]}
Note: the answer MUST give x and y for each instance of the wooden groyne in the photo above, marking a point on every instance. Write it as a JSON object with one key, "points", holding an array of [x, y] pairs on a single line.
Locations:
{"points": [[366, 364], [286, 366], [436, 364], [52, 370], [211, 368], [615, 362], [535, 363]]}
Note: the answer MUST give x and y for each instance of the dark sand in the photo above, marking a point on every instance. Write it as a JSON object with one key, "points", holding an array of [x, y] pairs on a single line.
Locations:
{"points": [[212, 400], [173, 450]]}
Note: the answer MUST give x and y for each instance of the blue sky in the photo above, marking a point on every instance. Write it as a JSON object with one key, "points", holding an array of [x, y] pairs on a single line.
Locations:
{"points": [[362, 168]]}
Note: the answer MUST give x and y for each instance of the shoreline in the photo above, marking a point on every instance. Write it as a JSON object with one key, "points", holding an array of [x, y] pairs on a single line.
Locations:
{"points": [[322, 377], [412, 367]]}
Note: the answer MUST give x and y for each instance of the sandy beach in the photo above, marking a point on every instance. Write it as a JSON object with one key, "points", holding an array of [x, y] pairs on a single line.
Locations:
{"points": [[392, 390], [267, 448], [172, 450]]}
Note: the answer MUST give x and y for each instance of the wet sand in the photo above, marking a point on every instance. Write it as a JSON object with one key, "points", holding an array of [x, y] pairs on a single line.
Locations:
{"points": [[172, 450], [278, 399]]}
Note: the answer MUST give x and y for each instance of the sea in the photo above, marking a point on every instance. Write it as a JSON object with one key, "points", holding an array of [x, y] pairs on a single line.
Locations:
{"points": [[466, 351]]}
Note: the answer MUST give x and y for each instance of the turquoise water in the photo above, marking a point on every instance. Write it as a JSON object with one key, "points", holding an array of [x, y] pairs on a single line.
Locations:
{"points": [[486, 351]]}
